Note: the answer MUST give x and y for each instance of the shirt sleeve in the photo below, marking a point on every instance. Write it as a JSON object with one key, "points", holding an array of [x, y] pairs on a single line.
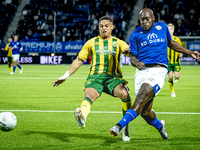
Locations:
{"points": [[7, 46], [133, 45], [85, 51], [179, 41], [123, 45], [10, 45]]}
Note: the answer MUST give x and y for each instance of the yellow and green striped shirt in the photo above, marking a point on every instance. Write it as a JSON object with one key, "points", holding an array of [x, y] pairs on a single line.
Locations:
{"points": [[172, 55], [9, 50], [105, 55]]}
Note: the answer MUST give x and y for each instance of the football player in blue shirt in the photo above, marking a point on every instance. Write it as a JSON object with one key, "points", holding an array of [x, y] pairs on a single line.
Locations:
{"points": [[16, 48], [148, 53]]}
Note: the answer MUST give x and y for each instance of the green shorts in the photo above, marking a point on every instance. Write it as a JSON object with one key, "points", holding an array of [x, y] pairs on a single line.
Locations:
{"points": [[9, 59], [174, 67], [104, 83]]}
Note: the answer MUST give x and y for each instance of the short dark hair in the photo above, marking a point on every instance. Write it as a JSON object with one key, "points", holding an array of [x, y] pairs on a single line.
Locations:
{"points": [[106, 18]]}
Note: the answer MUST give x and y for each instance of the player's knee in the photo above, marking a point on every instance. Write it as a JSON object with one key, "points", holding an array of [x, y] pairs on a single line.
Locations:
{"points": [[170, 78], [177, 77], [125, 95]]}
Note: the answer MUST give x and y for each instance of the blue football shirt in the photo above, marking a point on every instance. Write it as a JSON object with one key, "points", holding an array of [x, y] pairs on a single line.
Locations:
{"points": [[150, 46], [16, 46]]}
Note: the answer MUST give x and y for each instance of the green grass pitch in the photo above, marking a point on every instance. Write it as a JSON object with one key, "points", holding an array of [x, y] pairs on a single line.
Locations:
{"points": [[46, 119]]}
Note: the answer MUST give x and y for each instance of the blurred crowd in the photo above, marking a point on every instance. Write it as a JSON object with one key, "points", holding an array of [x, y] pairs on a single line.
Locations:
{"points": [[184, 14], [76, 20], [7, 11]]}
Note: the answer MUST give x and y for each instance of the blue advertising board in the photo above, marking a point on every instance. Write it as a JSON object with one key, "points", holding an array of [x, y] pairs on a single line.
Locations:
{"points": [[48, 47], [64, 47], [193, 46]]}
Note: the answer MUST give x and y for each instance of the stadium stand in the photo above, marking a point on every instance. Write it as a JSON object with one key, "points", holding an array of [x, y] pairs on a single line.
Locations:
{"points": [[183, 14], [76, 20], [7, 11]]}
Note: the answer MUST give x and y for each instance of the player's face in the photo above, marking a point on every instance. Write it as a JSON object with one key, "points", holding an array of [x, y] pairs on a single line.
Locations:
{"points": [[146, 19], [105, 29], [10, 40], [15, 38], [171, 30]]}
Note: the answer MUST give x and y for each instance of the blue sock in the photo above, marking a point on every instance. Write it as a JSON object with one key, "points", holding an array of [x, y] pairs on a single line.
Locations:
{"points": [[19, 66], [14, 67], [156, 123], [128, 117]]}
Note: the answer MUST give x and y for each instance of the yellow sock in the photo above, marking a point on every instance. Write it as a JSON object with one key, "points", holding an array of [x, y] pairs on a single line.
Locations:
{"points": [[11, 69], [171, 85], [85, 106], [126, 104]]}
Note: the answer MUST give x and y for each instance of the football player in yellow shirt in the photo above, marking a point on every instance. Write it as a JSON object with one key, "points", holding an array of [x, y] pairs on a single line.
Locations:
{"points": [[174, 65], [9, 55], [105, 72]]}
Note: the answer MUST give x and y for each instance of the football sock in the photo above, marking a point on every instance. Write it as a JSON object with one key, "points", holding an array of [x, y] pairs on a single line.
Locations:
{"points": [[86, 105], [126, 104], [11, 69], [171, 85], [19, 66], [156, 123], [128, 117], [14, 67]]}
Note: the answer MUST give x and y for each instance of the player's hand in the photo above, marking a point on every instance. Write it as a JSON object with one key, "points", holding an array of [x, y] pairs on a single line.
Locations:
{"points": [[195, 55], [140, 65], [126, 52], [58, 82]]}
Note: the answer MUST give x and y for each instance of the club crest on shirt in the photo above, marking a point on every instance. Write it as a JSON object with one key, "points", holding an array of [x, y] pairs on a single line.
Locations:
{"points": [[158, 27], [114, 44]]}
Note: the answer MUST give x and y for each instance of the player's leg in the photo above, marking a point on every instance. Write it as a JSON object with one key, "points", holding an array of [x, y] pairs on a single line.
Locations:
{"points": [[176, 76], [150, 116], [145, 94], [81, 113], [121, 91], [171, 83], [92, 91], [177, 72], [9, 64], [14, 66], [19, 66], [151, 86], [15, 61]]}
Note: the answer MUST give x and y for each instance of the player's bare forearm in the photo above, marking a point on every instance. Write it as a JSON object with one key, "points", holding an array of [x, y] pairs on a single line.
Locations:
{"points": [[177, 47], [136, 63], [75, 65]]}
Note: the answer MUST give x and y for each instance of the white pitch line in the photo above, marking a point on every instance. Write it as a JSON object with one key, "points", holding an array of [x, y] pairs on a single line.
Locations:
{"points": [[101, 112]]}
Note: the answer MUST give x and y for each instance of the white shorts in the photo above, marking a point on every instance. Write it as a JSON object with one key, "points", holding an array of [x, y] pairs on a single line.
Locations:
{"points": [[15, 57], [155, 76]]}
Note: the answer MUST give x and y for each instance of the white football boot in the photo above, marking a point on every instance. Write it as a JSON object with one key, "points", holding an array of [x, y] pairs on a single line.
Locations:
{"points": [[21, 70], [115, 130], [173, 94], [163, 132], [80, 118], [125, 134]]}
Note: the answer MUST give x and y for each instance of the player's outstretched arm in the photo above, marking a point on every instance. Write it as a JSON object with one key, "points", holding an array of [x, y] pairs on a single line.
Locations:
{"points": [[177, 47], [73, 68], [126, 52], [136, 63]]}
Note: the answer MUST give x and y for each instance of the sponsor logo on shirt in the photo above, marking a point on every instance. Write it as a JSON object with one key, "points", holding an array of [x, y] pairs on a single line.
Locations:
{"points": [[152, 38], [158, 27], [105, 52]]}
